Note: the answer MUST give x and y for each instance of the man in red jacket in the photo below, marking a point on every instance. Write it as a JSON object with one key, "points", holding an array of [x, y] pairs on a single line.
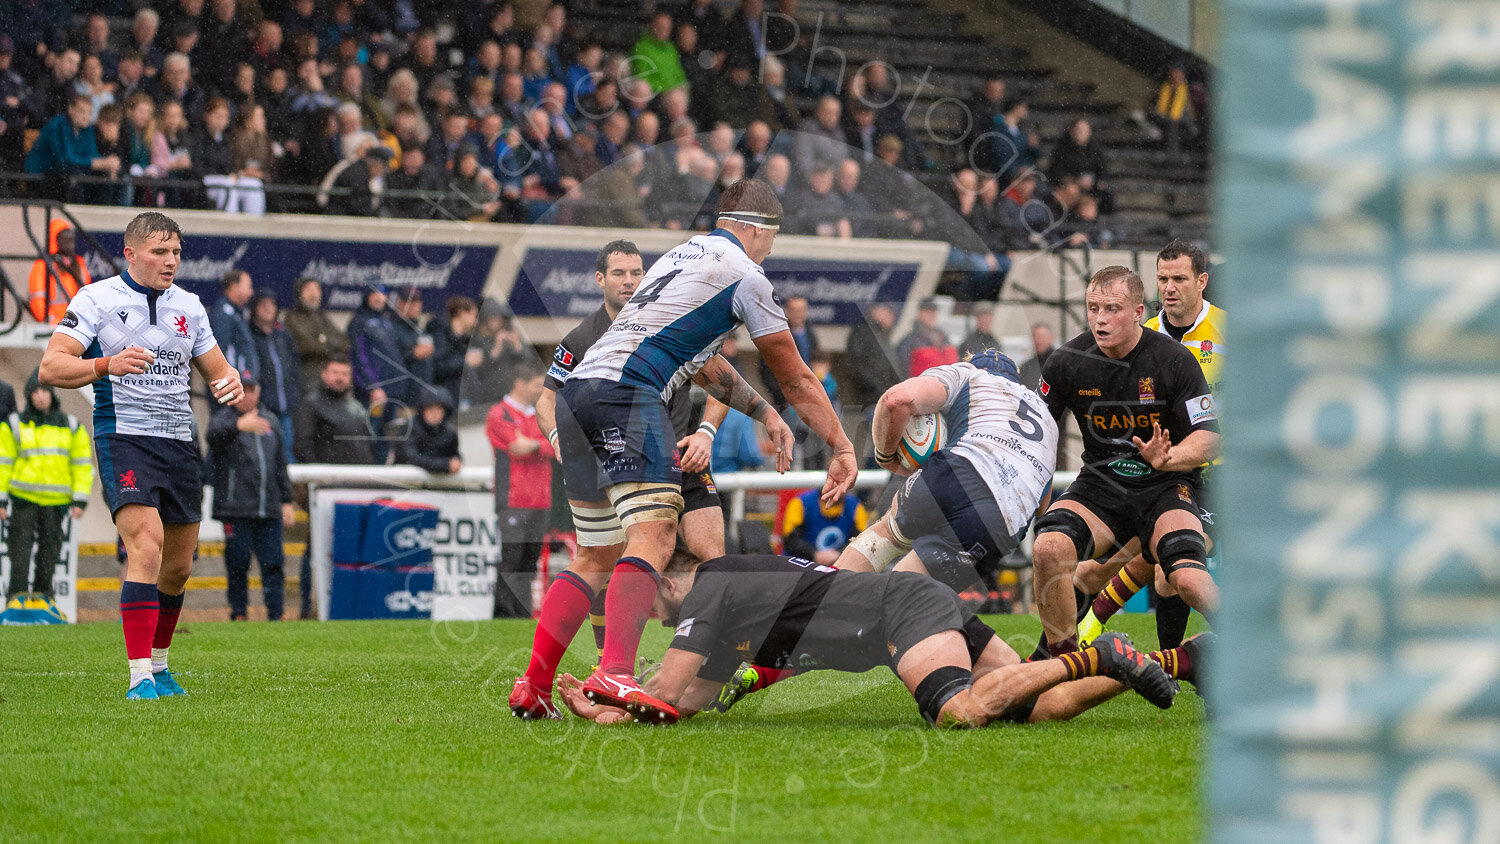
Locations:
{"points": [[523, 489]]}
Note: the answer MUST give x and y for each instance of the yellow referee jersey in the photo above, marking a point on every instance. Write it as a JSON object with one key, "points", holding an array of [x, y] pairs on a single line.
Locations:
{"points": [[1205, 339]]}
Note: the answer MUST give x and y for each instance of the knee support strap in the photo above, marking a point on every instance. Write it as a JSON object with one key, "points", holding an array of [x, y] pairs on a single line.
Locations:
{"points": [[881, 552], [597, 526], [977, 636], [1182, 549], [637, 503], [939, 687], [1071, 525]]}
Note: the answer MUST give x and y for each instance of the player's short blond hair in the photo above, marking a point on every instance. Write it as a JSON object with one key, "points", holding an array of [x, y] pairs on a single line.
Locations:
{"points": [[1116, 274], [148, 224]]}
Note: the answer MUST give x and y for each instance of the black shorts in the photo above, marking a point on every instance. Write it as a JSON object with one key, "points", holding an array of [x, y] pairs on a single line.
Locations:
{"points": [[1132, 512], [698, 491], [950, 515], [916, 607], [612, 433], [162, 473]]}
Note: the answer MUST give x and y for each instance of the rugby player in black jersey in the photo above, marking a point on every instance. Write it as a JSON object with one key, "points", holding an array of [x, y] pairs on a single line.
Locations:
{"points": [[787, 611], [1149, 422]]}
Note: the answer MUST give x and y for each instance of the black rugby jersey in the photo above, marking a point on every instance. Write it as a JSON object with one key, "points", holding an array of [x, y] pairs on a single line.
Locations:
{"points": [[1159, 381]]}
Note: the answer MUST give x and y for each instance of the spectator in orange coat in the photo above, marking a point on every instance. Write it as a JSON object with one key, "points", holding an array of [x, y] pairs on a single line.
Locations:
{"points": [[52, 291], [523, 489]]}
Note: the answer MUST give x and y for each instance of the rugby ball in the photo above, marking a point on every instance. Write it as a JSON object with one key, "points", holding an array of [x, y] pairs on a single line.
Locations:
{"points": [[924, 435]]}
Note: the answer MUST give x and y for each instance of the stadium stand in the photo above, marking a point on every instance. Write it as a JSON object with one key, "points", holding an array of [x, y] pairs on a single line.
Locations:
{"points": [[937, 68]]}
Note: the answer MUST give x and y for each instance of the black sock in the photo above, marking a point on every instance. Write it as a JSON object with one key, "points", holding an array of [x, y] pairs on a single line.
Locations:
{"points": [[1083, 602], [1171, 621]]}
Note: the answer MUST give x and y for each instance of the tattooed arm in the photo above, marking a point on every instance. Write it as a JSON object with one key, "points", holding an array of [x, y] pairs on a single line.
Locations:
{"points": [[724, 383]]}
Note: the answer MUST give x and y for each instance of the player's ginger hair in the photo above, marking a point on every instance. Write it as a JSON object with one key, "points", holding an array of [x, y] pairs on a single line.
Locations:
{"points": [[1116, 274]]}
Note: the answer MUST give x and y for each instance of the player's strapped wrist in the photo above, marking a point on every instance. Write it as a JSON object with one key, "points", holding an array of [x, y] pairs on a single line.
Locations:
{"points": [[707, 427], [101, 366], [552, 438]]}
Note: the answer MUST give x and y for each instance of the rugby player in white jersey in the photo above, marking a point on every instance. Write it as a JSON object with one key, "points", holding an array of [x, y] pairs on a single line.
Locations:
{"points": [[614, 405], [135, 337], [973, 500]]}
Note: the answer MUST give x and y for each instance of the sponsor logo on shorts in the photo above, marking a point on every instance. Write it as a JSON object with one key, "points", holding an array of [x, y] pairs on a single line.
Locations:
{"points": [[744, 649], [708, 483], [1147, 389], [180, 325], [1184, 493], [127, 481], [69, 320], [1205, 516], [1202, 409], [614, 441], [891, 646], [1127, 468]]}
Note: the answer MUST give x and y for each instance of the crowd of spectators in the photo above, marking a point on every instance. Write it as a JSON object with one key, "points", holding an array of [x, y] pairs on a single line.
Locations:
{"points": [[356, 107]]}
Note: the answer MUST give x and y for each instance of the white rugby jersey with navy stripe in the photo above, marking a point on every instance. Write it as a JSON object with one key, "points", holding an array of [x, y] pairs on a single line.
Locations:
{"points": [[691, 298], [1005, 432], [111, 315]]}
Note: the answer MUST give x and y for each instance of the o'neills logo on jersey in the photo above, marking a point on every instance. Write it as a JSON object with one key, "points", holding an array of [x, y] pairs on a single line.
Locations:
{"points": [[1092, 391], [1148, 390]]}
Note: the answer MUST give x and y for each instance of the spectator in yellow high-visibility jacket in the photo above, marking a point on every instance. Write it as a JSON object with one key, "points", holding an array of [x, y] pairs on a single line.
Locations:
{"points": [[45, 472]]}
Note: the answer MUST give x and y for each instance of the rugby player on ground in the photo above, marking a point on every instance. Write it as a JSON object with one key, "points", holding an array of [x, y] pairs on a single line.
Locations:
{"points": [[579, 590], [786, 611], [1149, 422], [1185, 316], [614, 406], [133, 337]]}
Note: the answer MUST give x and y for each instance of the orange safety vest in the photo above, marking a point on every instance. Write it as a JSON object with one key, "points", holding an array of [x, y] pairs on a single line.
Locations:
{"points": [[51, 292]]}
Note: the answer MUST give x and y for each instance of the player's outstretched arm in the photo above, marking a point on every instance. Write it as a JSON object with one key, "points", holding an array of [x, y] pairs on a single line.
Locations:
{"points": [[1199, 447], [546, 419], [677, 683], [724, 383], [63, 364], [698, 447], [912, 397], [223, 380], [805, 392]]}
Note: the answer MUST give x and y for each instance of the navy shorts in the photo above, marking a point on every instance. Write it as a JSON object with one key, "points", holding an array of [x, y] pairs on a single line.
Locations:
{"points": [[612, 433], [155, 471], [950, 515]]}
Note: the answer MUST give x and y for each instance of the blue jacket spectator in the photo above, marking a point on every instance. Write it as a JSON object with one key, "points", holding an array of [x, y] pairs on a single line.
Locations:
{"points": [[227, 319], [736, 447], [66, 144], [373, 349]]}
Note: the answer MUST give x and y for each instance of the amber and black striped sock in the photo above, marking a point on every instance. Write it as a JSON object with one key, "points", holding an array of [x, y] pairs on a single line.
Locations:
{"points": [[1176, 662], [1119, 591], [1084, 663]]}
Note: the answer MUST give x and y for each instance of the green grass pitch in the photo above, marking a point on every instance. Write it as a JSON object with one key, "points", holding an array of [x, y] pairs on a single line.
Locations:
{"points": [[366, 731]]}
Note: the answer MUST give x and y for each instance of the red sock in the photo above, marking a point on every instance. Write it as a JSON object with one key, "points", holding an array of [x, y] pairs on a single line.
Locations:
{"points": [[138, 612], [563, 611], [632, 589], [771, 676], [166, 618]]}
